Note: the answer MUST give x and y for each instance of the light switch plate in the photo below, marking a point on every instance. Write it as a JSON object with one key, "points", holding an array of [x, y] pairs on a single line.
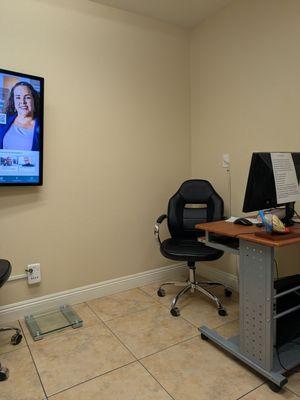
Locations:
{"points": [[225, 161]]}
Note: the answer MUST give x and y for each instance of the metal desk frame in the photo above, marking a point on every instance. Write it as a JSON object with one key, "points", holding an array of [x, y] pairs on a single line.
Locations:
{"points": [[257, 328]]}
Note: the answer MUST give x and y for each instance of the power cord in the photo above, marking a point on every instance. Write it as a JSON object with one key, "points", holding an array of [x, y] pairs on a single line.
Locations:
{"points": [[229, 188], [294, 370], [279, 360], [237, 269], [276, 265]]}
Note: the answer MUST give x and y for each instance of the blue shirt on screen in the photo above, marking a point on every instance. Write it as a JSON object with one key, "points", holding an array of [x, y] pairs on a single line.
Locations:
{"points": [[12, 136]]}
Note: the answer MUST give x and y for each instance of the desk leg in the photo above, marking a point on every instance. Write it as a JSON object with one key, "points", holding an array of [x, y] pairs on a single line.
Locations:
{"points": [[256, 303], [254, 346]]}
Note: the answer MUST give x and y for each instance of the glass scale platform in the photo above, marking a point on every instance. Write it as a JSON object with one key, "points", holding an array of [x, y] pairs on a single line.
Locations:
{"points": [[50, 321]]}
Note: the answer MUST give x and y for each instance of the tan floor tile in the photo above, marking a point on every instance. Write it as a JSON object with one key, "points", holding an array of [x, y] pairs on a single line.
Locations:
{"points": [[197, 308], [5, 345], [170, 290], [23, 382], [294, 383], [83, 311], [265, 393], [128, 383], [201, 311], [229, 329], [120, 304], [197, 370], [151, 330], [72, 358]]}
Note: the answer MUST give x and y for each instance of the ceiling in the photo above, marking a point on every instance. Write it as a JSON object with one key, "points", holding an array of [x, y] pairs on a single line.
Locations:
{"points": [[185, 13]]}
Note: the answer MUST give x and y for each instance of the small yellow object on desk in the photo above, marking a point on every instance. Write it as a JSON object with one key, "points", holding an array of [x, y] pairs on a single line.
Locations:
{"points": [[278, 226]]}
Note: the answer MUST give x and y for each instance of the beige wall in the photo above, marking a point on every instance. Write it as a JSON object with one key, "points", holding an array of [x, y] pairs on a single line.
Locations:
{"points": [[117, 124], [116, 141], [245, 95]]}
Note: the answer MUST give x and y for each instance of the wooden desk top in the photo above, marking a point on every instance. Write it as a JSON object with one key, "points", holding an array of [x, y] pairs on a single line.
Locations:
{"points": [[248, 233]]}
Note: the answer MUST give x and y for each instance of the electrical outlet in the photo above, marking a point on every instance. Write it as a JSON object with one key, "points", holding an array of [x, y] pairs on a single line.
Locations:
{"points": [[34, 273], [225, 161]]}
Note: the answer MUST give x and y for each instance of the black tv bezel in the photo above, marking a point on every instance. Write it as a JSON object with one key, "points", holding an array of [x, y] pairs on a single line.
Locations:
{"points": [[41, 138]]}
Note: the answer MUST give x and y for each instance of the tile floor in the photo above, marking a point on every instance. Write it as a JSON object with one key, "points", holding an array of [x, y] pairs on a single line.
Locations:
{"points": [[131, 348]]}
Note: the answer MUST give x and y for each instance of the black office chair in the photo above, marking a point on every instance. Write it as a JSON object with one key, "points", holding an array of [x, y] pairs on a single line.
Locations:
{"points": [[5, 271], [196, 201]]}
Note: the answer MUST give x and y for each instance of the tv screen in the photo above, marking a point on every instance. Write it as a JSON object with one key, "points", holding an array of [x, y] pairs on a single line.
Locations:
{"points": [[21, 129]]}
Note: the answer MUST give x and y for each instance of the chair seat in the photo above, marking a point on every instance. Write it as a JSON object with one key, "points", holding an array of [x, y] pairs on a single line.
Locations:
{"points": [[188, 250], [5, 270]]}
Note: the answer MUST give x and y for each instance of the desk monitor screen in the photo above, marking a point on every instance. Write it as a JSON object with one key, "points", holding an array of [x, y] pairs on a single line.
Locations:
{"points": [[21, 129], [261, 190]]}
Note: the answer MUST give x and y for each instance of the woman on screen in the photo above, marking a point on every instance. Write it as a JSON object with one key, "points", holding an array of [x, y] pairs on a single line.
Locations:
{"points": [[22, 128]]}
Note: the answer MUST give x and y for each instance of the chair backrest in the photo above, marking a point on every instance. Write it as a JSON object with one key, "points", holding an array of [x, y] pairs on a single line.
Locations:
{"points": [[196, 201], [5, 271]]}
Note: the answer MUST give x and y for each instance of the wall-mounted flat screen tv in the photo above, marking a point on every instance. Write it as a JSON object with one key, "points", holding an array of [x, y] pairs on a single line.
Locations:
{"points": [[21, 129]]}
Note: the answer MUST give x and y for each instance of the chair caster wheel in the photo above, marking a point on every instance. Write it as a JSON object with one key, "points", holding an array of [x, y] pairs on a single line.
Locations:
{"points": [[161, 292], [222, 312], [228, 293], [175, 312], [275, 388], [16, 339], [203, 337], [3, 373]]}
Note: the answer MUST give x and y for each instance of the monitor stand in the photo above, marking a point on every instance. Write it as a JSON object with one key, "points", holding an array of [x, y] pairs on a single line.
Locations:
{"points": [[289, 214]]}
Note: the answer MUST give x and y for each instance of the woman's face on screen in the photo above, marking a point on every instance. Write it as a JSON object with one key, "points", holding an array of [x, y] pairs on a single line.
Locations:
{"points": [[23, 99]]}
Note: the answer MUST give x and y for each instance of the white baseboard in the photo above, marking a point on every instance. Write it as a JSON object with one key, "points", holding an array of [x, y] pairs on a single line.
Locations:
{"points": [[215, 274], [12, 312]]}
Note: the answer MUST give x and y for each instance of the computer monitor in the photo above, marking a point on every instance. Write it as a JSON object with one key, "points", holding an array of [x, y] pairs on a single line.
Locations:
{"points": [[261, 190], [21, 129]]}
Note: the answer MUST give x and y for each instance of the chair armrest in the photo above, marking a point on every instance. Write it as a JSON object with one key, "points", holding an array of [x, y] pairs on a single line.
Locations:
{"points": [[161, 218], [157, 226]]}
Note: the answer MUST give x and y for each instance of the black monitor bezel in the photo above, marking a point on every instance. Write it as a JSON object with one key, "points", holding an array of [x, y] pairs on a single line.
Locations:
{"points": [[41, 137]]}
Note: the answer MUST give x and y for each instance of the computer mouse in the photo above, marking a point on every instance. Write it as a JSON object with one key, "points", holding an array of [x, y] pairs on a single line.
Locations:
{"points": [[243, 221]]}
